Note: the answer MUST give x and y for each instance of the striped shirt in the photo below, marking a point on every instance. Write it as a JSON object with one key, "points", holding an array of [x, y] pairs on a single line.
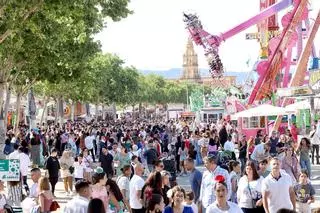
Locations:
{"points": [[15, 194]]}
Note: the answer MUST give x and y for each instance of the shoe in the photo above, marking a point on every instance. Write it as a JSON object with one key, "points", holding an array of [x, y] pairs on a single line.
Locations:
{"points": [[70, 193]]}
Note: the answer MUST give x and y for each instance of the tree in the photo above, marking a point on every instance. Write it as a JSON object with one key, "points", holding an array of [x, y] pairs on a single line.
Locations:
{"points": [[50, 40]]}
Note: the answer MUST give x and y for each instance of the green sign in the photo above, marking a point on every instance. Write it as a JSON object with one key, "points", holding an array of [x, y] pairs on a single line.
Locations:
{"points": [[10, 170]]}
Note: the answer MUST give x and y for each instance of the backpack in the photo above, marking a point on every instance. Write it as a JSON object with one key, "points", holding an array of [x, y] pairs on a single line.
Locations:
{"points": [[7, 149]]}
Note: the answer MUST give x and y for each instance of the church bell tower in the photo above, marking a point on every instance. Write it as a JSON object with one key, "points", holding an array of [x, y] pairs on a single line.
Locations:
{"points": [[190, 64]]}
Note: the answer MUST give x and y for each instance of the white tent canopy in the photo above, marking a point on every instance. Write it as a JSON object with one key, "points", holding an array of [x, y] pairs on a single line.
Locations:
{"points": [[298, 105], [305, 104], [261, 110]]}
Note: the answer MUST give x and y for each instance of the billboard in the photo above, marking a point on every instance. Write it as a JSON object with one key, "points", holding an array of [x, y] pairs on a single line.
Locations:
{"points": [[10, 170]]}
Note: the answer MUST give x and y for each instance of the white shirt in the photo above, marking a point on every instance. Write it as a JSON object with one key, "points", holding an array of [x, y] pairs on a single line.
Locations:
{"points": [[88, 141], [34, 193], [233, 208], [279, 192], [123, 183], [24, 163], [78, 169], [203, 142], [87, 161], [259, 153], [315, 140], [14, 155], [136, 184], [207, 195], [243, 193], [229, 146], [77, 205]]}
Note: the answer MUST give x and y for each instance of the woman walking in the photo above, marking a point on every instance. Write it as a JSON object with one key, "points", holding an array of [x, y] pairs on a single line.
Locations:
{"points": [[303, 151], [67, 170], [45, 195]]}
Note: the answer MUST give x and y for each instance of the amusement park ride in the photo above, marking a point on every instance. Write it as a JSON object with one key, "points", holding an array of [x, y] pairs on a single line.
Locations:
{"points": [[276, 46]]}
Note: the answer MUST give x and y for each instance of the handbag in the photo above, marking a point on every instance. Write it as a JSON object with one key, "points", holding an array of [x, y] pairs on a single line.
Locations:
{"points": [[54, 206], [71, 169]]}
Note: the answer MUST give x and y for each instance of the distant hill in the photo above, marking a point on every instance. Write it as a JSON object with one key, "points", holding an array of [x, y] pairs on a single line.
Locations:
{"points": [[176, 73]]}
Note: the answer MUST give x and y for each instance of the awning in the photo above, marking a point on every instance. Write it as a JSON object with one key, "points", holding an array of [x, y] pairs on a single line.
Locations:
{"points": [[261, 110]]}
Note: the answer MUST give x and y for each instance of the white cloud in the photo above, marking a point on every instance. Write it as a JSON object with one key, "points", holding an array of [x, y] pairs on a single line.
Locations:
{"points": [[154, 37]]}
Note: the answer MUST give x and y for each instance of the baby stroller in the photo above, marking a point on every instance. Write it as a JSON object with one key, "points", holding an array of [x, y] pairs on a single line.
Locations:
{"points": [[169, 163], [224, 157]]}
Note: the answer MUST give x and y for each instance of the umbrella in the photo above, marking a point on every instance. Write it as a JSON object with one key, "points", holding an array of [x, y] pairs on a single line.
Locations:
{"points": [[261, 110]]}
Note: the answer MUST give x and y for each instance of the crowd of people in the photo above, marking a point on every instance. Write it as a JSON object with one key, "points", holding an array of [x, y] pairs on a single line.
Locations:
{"points": [[132, 166]]}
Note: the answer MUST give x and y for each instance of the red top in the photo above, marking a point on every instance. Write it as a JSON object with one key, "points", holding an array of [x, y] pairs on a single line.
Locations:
{"points": [[47, 203]]}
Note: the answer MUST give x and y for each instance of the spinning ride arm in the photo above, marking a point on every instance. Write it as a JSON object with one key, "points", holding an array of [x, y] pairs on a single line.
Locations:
{"points": [[267, 70], [211, 42]]}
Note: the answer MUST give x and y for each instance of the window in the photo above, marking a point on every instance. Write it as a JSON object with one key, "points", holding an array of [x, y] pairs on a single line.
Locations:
{"points": [[254, 122]]}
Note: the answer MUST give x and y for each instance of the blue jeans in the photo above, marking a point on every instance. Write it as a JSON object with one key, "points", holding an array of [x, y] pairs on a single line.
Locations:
{"points": [[198, 156], [306, 164]]}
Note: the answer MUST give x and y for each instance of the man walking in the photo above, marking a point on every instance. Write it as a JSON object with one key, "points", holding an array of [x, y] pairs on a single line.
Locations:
{"points": [[135, 189], [195, 178], [277, 190]]}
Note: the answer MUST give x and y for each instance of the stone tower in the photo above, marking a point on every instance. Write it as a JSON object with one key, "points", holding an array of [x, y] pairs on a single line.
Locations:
{"points": [[190, 64]]}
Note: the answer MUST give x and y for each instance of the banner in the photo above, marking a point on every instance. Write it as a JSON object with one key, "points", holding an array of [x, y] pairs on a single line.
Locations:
{"points": [[314, 80], [10, 170]]}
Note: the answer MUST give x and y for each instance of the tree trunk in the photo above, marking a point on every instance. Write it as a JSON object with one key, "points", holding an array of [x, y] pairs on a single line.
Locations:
{"points": [[96, 113], [114, 111], [140, 109], [17, 121], [88, 109], [44, 112], [6, 108], [32, 109], [56, 112], [61, 113], [103, 112], [73, 109], [2, 127]]}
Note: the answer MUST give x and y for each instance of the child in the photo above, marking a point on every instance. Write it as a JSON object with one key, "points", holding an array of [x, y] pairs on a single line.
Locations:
{"points": [[235, 171], [263, 168], [304, 193], [189, 201], [79, 168]]}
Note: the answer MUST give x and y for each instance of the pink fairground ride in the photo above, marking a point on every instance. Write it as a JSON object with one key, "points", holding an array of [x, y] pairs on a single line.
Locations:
{"points": [[279, 47]]}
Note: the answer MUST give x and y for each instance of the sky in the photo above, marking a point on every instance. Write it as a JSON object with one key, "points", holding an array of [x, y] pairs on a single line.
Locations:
{"points": [[154, 37]]}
